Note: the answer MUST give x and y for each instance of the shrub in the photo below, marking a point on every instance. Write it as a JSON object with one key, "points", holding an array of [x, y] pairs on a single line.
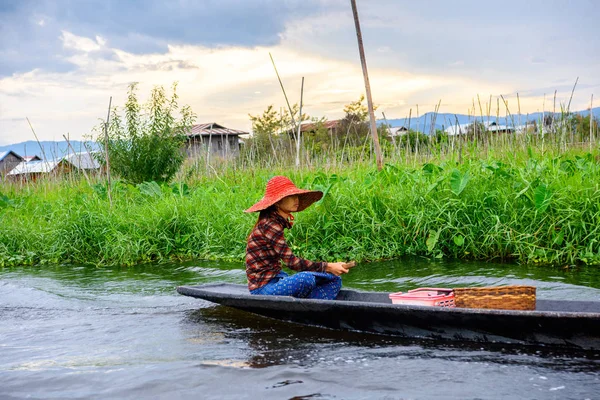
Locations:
{"points": [[148, 145]]}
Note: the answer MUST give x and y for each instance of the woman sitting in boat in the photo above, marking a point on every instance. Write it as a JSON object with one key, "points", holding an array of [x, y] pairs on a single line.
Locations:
{"points": [[267, 248]]}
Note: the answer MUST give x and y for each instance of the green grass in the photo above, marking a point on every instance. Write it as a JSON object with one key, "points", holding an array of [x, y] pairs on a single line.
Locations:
{"points": [[525, 206]]}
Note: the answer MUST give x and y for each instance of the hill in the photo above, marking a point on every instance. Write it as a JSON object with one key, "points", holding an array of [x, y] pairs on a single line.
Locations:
{"points": [[51, 149], [429, 122]]}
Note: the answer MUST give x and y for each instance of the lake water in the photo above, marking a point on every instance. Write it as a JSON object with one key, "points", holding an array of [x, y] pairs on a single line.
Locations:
{"points": [[124, 333]]}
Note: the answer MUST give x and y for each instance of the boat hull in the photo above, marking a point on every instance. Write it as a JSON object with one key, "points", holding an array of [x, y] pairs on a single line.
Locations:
{"points": [[566, 324]]}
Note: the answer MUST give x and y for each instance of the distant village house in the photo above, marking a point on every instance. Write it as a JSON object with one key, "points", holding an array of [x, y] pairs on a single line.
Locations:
{"points": [[73, 162], [223, 142], [8, 161], [397, 131], [493, 127], [311, 127], [330, 126]]}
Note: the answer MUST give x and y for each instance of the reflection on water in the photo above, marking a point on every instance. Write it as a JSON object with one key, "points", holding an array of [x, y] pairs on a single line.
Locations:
{"points": [[273, 342], [85, 332]]}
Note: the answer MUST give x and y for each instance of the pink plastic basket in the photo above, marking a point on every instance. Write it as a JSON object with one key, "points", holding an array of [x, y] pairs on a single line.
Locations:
{"points": [[425, 297]]}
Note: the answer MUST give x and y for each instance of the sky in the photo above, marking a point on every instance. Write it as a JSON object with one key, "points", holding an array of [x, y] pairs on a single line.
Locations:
{"points": [[61, 60]]}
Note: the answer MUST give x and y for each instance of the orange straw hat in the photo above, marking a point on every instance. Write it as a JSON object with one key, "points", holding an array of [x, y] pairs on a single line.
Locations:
{"points": [[279, 187]]}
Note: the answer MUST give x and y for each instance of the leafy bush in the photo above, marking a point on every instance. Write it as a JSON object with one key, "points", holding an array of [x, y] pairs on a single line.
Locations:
{"points": [[148, 145]]}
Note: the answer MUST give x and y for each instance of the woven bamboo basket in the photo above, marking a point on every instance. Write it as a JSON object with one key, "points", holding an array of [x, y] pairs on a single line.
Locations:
{"points": [[498, 297]]}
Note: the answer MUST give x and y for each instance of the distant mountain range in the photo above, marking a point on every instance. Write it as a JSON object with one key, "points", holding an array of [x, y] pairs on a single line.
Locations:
{"points": [[430, 121], [51, 149]]}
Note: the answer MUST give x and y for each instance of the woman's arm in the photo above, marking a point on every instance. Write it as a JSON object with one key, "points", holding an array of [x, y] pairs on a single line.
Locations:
{"points": [[338, 268], [291, 261], [300, 264]]}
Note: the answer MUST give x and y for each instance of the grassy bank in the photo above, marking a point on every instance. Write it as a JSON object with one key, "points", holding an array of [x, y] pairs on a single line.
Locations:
{"points": [[521, 206]]}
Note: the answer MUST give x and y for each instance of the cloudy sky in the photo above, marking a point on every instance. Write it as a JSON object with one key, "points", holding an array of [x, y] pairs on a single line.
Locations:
{"points": [[61, 60]]}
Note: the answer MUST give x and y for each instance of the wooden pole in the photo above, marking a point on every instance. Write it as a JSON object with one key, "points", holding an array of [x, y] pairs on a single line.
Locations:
{"points": [[299, 126], [108, 187], [591, 120], [75, 155], [388, 127], [39, 144], [209, 148], [284, 94], [363, 62]]}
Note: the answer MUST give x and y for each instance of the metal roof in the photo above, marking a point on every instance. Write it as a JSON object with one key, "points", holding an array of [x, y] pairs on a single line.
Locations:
{"points": [[309, 126], [397, 131], [3, 154], [33, 167], [83, 160], [213, 128], [457, 129]]}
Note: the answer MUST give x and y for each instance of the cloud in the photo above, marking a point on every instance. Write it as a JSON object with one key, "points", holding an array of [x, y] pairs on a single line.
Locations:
{"points": [[136, 26], [81, 44], [222, 84], [61, 73], [538, 60], [492, 43]]}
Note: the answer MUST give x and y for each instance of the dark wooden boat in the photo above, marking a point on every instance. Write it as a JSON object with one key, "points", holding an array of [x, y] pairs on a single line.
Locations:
{"points": [[567, 324]]}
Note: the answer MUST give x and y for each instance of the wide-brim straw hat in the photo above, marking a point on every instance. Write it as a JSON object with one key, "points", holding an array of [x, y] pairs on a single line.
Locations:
{"points": [[279, 187]]}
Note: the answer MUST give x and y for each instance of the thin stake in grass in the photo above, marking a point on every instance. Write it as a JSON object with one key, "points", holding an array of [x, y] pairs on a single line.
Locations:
{"points": [[106, 156]]}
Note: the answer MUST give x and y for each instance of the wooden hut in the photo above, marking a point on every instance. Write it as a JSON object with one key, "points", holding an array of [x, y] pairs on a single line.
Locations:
{"points": [[222, 142], [33, 170], [8, 161]]}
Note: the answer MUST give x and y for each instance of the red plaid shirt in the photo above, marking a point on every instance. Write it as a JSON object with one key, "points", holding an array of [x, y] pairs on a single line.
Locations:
{"points": [[267, 248]]}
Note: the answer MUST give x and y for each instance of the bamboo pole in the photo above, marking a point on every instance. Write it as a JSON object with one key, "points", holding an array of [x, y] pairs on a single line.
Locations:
{"points": [[569, 111], [591, 120], [299, 126], [284, 94], [39, 144], [209, 147], [388, 127], [108, 188], [75, 155], [363, 62]]}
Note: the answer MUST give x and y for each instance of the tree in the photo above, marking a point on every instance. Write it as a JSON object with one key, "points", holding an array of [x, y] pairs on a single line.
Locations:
{"points": [[264, 127], [475, 130], [582, 127], [356, 111], [317, 139], [354, 127], [274, 133], [413, 140], [148, 145]]}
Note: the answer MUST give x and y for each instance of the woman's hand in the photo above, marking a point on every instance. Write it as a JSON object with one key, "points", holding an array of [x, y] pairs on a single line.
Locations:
{"points": [[338, 268]]}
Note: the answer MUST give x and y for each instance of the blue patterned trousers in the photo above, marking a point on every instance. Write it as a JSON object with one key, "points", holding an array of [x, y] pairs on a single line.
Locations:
{"points": [[306, 285]]}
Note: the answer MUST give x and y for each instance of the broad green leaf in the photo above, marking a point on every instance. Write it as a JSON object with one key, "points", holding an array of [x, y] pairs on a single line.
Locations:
{"points": [[435, 184], [558, 238], [429, 169], [458, 181], [151, 189], [5, 201], [459, 240], [432, 239], [324, 189], [542, 196], [180, 189]]}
